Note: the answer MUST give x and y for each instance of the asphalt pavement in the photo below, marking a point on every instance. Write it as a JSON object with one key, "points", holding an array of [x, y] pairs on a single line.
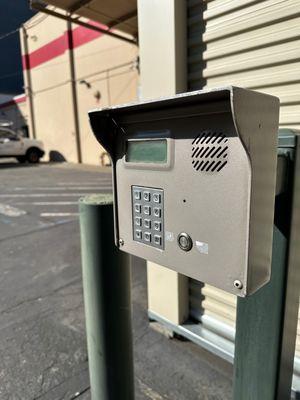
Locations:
{"points": [[42, 333]]}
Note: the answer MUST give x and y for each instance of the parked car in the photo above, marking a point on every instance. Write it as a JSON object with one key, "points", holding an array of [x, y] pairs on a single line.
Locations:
{"points": [[23, 149]]}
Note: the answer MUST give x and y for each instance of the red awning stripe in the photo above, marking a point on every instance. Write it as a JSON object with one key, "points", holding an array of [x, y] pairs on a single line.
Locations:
{"points": [[57, 47], [17, 99]]}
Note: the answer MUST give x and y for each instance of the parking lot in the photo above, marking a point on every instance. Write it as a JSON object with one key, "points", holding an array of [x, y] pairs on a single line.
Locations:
{"points": [[42, 333]]}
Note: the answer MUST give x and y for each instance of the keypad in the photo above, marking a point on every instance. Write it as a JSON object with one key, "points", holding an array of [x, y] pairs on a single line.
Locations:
{"points": [[147, 212]]}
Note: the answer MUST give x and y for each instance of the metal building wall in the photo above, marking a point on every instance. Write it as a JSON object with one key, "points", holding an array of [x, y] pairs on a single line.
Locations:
{"points": [[254, 44]]}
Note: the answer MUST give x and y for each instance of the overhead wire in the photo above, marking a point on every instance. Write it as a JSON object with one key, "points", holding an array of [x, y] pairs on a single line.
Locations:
{"points": [[5, 35], [12, 74], [35, 92]]}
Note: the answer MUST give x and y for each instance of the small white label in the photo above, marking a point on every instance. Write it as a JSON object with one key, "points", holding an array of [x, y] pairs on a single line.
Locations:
{"points": [[169, 236], [202, 247]]}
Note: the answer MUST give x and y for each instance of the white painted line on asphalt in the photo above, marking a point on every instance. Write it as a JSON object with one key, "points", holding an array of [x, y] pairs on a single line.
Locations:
{"points": [[21, 195], [84, 183], [149, 392], [10, 211], [58, 214], [47, 203], [50, 188]]}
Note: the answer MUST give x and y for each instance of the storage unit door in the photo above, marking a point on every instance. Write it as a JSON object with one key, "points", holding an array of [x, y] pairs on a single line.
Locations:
{"points": [[247, 43]]}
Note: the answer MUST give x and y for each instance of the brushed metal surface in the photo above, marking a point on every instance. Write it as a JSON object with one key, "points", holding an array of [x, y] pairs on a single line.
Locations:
{"points": [[230, 211]]}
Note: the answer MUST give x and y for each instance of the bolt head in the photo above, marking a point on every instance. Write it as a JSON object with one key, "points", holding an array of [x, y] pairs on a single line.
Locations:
{"points": [[238, 284]]}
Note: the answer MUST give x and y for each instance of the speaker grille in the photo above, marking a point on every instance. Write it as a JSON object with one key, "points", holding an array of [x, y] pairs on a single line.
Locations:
{"points": [[210, 152]]}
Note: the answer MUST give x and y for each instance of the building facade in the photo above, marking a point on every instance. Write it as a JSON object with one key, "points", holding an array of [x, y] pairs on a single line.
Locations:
{"points": [[69, 70]]}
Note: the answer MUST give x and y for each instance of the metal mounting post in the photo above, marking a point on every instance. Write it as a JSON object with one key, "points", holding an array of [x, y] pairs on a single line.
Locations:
{"points": [[106, 286]]}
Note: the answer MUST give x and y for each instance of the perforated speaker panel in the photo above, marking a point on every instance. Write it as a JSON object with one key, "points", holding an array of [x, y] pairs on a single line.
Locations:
{"points": [[210, 152]]}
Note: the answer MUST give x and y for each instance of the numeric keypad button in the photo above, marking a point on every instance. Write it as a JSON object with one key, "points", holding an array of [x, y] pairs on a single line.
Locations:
{"points": [[147, 237], [157, 226], [138, 208], [147, 223], [137, 194], [157, 197], [138, 221], [147, 210], [157, 212], [138, 234], [146, 196], [157, 240]]}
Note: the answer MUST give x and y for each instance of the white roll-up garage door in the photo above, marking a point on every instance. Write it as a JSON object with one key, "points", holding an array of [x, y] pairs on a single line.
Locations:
{"points": [[253, 44], [249, 43]]}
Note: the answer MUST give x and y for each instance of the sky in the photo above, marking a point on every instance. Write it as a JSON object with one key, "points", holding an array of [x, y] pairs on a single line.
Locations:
{"points": [[12, 14]]}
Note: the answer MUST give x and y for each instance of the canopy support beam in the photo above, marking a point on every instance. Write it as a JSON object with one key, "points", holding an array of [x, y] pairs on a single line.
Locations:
{"points": [[38, 6]]}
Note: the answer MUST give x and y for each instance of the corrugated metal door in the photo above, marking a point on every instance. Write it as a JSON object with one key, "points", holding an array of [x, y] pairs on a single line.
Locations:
{"points": [[249, 43], [254, 44]]}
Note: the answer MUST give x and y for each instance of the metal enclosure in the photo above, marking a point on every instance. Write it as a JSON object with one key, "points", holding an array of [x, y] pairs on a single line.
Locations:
{"points": [[207, 161]]}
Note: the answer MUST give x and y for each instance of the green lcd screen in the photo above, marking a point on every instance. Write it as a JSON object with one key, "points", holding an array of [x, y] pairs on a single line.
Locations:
{"points": [[147, 151]]}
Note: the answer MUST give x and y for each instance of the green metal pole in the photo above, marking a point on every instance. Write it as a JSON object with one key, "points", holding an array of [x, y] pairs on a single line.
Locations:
{"points": [[106, 286], [258, 333], [266, 325]]}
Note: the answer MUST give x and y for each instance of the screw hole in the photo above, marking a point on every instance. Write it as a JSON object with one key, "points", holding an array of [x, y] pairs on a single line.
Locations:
{"points": [[184, 200], [237, 284]]}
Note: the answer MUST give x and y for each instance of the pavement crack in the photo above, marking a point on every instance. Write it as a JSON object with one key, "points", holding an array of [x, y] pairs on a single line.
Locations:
{"points": [[43, 228], [39, 298], [140, 337], [43, 374]]}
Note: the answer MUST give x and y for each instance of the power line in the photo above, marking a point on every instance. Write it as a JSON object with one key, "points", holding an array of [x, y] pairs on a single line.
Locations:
{"points": [[9, 33], [9, 75]]}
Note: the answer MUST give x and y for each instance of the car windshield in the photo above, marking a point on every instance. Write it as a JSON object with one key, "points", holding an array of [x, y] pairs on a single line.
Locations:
{"points": [[7, 134]]}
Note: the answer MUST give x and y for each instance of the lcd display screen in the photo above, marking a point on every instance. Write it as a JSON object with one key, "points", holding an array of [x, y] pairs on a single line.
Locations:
{"points": [[147, 151]]}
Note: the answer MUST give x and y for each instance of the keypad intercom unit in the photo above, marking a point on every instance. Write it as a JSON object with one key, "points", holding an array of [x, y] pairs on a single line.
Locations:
{"points": [[194, 183]]}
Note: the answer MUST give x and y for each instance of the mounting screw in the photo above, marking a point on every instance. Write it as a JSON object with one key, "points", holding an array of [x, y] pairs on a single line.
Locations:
{"points": [[238, 284], [121, 242]]}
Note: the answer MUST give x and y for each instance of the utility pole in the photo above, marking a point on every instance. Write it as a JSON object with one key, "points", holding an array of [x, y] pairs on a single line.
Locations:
{"points": [[28, 82], [74, 91]]}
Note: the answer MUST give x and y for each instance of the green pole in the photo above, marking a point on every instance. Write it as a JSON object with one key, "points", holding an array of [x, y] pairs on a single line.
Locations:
{"points": [[258, 333], [266, 326], [106, 287]]}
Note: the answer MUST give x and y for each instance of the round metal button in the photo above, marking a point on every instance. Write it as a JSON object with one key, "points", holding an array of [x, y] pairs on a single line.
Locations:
{"points": [[184, 241]]}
